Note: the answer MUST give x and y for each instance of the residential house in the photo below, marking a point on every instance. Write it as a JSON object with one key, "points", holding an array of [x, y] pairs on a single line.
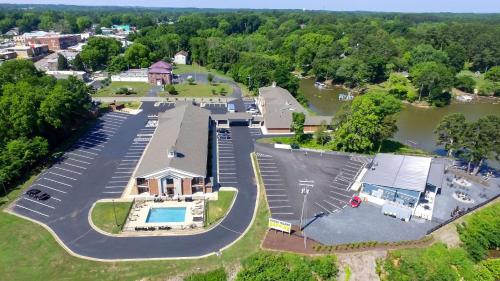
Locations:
{"points": [[160, 73], [181, 57]]}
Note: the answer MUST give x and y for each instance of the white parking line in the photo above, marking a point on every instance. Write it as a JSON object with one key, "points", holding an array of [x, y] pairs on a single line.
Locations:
{"points": [[62, 169], [269, 171], [44, 178], [322, 207], [278, 200], [92, 153], [280, 207], [91, 143], [93, 148], [273, 184], [34, 201], [274, 189], [227, 161], [229, 157], [265, 176], [128, 172], [83, 156], [331, 204], [133, 153], [136, 149], [76, 160], [118, 177], [114, 186], [55, 198], [117, 181], [228, 182], [59, 175], [272, 179], [55, 189], [129, 160], [282, 213], [130, 168], [277, 195], [227, 173], [132, 156], [40, 213], [347, 196]]}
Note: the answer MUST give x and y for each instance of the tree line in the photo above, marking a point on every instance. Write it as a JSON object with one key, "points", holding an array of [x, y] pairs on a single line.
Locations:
{"points": [[37, 112]]}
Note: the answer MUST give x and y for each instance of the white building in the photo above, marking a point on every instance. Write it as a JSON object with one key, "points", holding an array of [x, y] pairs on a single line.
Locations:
{"points": [[181, 57]]}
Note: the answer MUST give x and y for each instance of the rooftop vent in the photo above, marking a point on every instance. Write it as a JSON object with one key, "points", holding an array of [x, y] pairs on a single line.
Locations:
{"points": [[171, 153]]}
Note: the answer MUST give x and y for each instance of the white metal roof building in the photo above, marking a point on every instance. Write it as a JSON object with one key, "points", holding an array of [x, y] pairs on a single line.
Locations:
{"points": [[400, 178]]}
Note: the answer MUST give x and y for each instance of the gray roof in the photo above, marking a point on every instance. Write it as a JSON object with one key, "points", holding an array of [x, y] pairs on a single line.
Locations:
{"points": [[399, 171], [232, 116], [279, 106], [436, 174], [184, 128], [312, 120]]}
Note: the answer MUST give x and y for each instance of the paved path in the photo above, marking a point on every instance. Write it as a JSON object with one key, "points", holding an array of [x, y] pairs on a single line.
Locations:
{"points": [[93, 169]]}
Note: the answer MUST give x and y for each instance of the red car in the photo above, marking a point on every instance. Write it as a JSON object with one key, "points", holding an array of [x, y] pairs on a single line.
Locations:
{"points": [[355, 202]]}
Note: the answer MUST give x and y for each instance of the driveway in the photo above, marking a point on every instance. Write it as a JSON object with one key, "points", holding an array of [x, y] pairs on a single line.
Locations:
{"points": [[98, 166]]}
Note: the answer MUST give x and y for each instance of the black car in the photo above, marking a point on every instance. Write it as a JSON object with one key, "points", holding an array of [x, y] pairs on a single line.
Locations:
{"points": [[33, 192], [223, 131], [43, 197]]}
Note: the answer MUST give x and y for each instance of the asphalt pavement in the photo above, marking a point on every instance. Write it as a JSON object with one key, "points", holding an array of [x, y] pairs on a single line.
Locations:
{"points": [[98, 167]]}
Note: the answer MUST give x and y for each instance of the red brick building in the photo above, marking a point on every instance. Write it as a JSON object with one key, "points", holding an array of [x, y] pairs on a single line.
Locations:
{"points": [[160, 73], [55, 42]]}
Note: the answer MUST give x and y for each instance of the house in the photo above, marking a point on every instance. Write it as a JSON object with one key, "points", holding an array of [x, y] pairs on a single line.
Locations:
{"points": [[160, 73], [181, 57], [398, 182], [277, 106], [175, 160]]}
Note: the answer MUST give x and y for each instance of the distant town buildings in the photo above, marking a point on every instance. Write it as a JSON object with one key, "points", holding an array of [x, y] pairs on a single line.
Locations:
{"points": [[181, 57], [33, 52], [49, 63]]}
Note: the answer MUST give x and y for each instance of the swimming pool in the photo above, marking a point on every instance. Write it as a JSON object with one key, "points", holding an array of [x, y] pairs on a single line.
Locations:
{"points": [[167, 214]]}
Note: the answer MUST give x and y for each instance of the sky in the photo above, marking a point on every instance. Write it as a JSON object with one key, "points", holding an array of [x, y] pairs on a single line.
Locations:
{"points": [[412, 6]]}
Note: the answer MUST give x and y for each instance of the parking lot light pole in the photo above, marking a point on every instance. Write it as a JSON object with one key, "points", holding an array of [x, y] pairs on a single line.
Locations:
{"points": [[305, 186]]}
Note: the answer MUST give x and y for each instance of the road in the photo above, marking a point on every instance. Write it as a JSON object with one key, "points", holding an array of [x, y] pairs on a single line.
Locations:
{"points": [[98, 166]]}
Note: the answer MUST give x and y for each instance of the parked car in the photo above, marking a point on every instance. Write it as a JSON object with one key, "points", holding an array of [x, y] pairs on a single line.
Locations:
{"points": [[252, 110], [43, 197], [355, 202], [223, 131], [231, 108], [33, 192]]}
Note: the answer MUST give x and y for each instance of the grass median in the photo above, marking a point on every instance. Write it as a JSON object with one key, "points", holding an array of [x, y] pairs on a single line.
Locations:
{"points": [[103, 215], [29, 252], [140, 89], [217, 209], [202, 90]]}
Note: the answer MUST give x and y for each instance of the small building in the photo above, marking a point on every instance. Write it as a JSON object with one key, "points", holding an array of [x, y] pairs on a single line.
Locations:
{"points": [[65, 74], [160, 73], [181, 57], [55, 42], [175, 160], [33, 52], [277, 106], [131, 75], [398, 182]]}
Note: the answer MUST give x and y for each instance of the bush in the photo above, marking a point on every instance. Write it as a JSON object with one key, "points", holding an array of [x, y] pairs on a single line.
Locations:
{"points": [[325, 267], [124, 91], [481, 232], [171, 89], [465, 83], [214, 275]]}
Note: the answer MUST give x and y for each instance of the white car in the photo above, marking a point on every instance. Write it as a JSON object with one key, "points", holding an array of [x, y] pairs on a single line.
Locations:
{"points": [[252, 110]]}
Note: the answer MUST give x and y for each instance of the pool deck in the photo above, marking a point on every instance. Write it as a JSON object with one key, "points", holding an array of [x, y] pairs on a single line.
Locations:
{"points": [[139, 214]]}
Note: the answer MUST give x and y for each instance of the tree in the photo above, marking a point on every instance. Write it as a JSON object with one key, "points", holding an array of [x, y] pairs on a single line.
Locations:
{"points": [[493, 74], [77, 63], [171, 89], [83, 23], [366, 123], [62, 62], [481, 141], [137, 56], [426, 53], [321, 136], [99, 51], [465, 83], [297, 126], [450, 132], [433, 81], [210, 78]]}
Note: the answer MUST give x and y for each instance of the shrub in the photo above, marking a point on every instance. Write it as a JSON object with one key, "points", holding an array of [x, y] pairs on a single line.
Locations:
{"points": [[465, 83], [171, 89], [124, 91], [214, 275], [325, 267]]}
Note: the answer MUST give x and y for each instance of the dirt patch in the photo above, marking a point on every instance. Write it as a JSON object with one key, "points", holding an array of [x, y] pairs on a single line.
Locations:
{"points": [[362, 265], [447, 234], [279, 241]]}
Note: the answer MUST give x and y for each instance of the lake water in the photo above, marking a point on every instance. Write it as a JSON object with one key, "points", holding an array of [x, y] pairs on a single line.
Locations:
{"points": [[416, 125]]}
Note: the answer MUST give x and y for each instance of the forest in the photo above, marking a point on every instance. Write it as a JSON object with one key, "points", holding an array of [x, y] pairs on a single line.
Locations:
{"points": [[415, 57]]}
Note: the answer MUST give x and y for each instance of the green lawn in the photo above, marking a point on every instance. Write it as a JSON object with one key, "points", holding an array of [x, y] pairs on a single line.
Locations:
{"points": [[29, 252], [217, 209], [140, 89], [103, 215], [202, 90]]}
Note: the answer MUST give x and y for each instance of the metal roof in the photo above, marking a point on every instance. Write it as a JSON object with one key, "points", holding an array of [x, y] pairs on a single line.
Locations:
{"points": [[436, 174], [399, 171], [184, 128]]}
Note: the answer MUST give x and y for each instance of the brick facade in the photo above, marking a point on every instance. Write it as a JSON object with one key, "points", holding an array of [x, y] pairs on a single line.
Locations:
{"points": [[153, 186], [186, 187], [55, 43], [164, 78]]}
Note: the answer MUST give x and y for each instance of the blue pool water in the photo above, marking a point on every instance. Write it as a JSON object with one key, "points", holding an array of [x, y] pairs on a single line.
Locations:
{"points": [[172, 214]]}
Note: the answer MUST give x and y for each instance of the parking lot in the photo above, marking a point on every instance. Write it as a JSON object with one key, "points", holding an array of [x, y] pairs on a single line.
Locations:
{"points": [[99, 165], [286, 175], [227, 172]]}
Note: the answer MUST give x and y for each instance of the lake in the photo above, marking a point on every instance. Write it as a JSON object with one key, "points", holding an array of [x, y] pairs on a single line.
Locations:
{"points": [[416, 125]]}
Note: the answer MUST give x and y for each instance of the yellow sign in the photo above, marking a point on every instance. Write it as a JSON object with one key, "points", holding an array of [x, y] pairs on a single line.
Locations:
{"points": [[280, 225]]}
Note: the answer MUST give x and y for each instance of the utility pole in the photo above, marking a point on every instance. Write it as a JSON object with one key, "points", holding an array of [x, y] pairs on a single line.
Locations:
{"points": [[305, 186], [114, 212]]}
